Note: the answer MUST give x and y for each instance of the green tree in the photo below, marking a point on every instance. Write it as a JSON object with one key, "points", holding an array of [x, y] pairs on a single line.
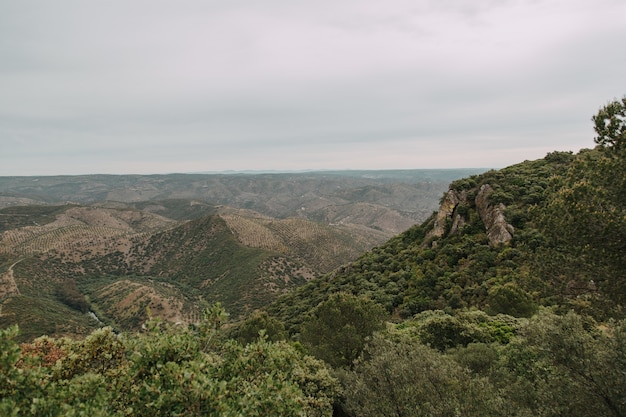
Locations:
{"points": [[610, 125], [338, 328], [589, 361], [510, 299], [565, 365], [404, 378], [260, 321]]}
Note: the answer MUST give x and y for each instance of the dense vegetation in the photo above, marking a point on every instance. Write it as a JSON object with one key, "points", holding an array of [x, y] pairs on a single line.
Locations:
{"points": [[435, 364], [164, 371], [507, 302]]}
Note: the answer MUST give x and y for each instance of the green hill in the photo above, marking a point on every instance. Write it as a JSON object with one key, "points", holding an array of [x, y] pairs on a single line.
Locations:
{"points": [[549, 232], [120, 261]]}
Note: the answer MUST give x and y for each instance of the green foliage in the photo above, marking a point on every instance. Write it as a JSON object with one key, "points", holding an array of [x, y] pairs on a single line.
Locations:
{"points": [[610, 125], [559, 157], [479, 358], [591, 360], [566, 365], [11, 377], [338, 328], [41, 315], [511, 300], [165, 371], [555, 366], [585, 223], [257, 322], [406, 378], [442, 331], [69, 294]]}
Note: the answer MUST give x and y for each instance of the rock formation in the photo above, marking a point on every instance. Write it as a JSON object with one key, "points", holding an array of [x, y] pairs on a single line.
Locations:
{"points": [[492, 216], [446, 210], [498, 230]]}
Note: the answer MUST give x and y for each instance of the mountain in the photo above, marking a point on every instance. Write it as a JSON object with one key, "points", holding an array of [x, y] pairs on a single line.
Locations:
{"points": [[548, 232], [118, 245], [118, 262]]}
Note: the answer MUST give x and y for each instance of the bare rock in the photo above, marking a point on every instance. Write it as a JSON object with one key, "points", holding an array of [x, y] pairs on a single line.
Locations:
{"points": [[446, 210], [498, 230]]}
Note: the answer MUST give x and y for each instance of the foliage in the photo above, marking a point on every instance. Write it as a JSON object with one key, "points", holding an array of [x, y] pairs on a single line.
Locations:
{"points": [[260, 321], [70, 295], [585, 223], [164, 371], [338, 328], [406, 378], [443, 331], [554, 366], [565, 365], [610, 125], [510, 299], [589, 361]]}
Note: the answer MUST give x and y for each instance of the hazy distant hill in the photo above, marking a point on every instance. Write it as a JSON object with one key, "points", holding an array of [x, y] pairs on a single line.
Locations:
{"points": [[390, 201]]}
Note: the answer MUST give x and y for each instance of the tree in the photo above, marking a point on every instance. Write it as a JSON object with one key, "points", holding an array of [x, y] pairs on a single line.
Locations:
{"points": [[404, 378], [337, 330], [510, 299], [260, 321], [610, 125], [567, 365]]}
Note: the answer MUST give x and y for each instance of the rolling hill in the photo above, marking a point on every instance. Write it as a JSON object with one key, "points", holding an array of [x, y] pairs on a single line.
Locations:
{"points": [[123, 245], [125, 261]]}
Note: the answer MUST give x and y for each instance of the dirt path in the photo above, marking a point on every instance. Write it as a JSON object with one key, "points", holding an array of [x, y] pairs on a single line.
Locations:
{"points": [[8, 287]]}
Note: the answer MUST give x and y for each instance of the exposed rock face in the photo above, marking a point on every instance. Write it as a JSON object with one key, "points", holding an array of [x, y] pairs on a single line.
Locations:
{"points": [[446, 210], [498, 230], [458, 222]]}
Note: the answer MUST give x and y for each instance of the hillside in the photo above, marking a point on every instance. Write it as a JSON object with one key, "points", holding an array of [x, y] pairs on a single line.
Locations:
{"points": [[60, 261], [119, 244], [505, 241]]}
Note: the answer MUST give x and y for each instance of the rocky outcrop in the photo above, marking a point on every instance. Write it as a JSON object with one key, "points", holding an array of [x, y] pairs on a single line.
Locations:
{"points": [[458, 222], [492, 216], [498, 230], [446, 210]]}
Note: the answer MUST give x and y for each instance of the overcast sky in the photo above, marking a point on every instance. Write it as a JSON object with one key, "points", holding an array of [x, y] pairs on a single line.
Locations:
{"points": [[154, 86]]}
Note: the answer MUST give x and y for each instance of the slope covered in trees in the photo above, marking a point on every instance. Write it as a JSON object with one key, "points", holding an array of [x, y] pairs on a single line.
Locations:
{"points": [[565, 220]]}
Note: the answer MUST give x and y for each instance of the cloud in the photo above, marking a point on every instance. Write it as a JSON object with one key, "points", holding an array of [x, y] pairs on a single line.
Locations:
{"points": [[160, 86]]}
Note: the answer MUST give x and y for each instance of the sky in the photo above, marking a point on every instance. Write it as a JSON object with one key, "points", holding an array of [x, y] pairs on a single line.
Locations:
{"points": [[162, 86]]}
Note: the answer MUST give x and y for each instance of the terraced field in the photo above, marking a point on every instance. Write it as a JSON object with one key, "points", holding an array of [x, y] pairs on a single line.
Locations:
{"points": [[323, 247], [29, 241]]}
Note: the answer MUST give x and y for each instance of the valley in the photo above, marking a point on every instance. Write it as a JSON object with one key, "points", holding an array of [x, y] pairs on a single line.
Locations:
{"points": [[241, 240]]}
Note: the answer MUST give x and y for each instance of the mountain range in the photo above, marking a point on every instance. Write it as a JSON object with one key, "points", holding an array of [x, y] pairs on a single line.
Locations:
{"points": [[122, 247]]}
